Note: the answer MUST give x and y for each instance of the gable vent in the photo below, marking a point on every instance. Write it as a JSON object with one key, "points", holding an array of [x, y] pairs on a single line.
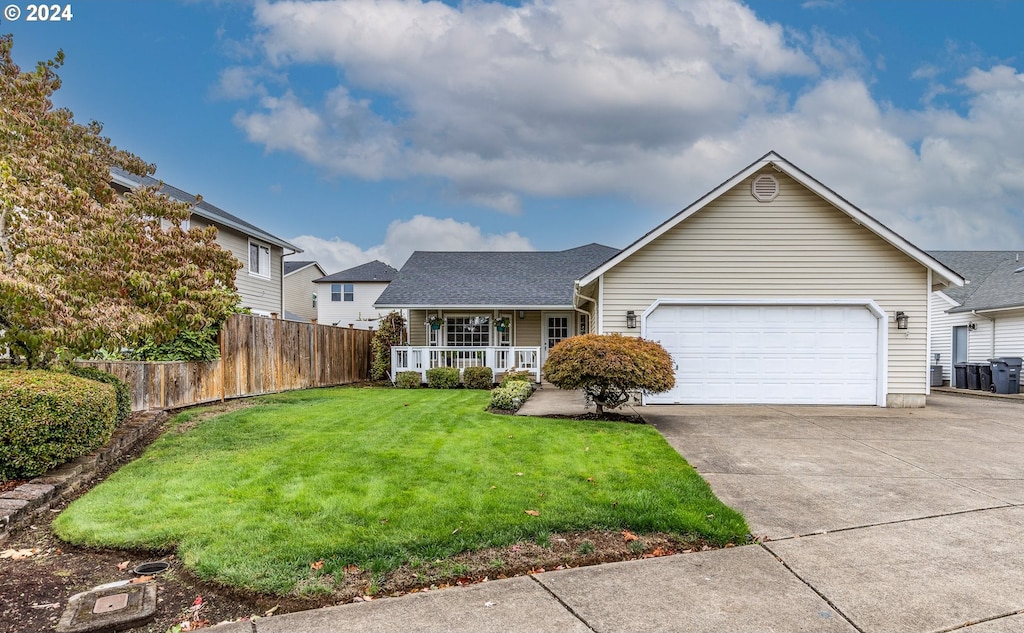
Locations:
{"points": [[765, 188]]}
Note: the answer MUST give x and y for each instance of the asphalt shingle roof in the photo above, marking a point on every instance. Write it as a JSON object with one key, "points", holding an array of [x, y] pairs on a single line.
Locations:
{"points": [[291, 266], [992, 282], [370, 271], [488, 278], [205, 210]]}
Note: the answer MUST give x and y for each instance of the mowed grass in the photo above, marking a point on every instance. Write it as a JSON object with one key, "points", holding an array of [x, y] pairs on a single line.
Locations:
{"points": [[379, 477]]}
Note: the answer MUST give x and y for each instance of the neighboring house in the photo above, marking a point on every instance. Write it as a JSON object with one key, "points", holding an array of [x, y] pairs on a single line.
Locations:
{"points": [[260, 280], [983, 319], [769, 289], [347, 298], [299, 290]]}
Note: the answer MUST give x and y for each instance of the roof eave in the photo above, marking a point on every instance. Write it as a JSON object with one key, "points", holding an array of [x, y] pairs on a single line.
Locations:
{"points": [[778, 162]]}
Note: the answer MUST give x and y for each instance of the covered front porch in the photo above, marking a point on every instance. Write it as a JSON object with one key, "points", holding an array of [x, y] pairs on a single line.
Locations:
{"points": [[499, 359]]}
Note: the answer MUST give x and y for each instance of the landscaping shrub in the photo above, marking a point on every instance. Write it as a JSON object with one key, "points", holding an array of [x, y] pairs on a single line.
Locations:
{"points": [[443, 378], [121, 391], [510, 396], [478, 377], [49, 418], [408, 380], [513, 375], [391, 332], [608, 367]]}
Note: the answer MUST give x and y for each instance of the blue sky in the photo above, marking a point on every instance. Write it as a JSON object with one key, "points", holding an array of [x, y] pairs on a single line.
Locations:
{"points": [[364, 129]]}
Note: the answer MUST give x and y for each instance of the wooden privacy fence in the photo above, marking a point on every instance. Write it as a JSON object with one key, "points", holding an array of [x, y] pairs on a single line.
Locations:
{"points": [[257, 355]]}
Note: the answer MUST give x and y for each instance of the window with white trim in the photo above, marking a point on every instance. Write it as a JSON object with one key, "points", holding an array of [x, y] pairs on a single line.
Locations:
{"points": [[259, 259], [349, 292], [468, 331]]}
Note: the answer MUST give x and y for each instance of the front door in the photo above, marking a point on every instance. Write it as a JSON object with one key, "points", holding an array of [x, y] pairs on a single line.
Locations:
{"points": [[557, 326]]}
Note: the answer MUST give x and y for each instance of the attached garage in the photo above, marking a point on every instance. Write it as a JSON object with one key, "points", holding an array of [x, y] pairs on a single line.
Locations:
{"points": [[810, 352], [774, 289]]}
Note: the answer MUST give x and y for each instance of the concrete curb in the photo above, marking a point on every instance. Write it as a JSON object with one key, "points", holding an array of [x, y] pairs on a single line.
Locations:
{"points": [[21, 505]]}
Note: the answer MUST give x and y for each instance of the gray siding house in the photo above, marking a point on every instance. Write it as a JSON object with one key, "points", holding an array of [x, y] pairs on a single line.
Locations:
{"points": [[260, 281]]}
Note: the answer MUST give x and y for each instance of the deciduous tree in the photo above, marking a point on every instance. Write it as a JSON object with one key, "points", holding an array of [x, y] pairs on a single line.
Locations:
{"points": [[608, 367], [82, 267]]}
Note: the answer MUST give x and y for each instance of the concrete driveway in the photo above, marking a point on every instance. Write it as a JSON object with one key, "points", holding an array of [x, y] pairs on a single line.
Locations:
{"points": [[901, 519]]}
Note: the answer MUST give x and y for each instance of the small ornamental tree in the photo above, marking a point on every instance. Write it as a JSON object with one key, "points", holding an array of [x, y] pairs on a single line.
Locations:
{"points": [[608, 367], [391, 332], [81, 267]]}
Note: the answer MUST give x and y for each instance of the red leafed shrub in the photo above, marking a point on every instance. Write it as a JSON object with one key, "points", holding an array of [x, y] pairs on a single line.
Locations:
{"points": [[607, 367]]}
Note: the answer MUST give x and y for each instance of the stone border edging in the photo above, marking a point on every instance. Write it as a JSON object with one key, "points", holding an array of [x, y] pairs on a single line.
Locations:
{"points": [[21, 505]]}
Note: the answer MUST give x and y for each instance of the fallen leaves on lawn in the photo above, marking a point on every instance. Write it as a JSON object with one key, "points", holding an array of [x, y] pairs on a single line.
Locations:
{"points": [[628, 536], [18, 554], [659, 551], [519, 474], [532, 513], [350, 569], [123, 566], [317, 565], [140, 580]]}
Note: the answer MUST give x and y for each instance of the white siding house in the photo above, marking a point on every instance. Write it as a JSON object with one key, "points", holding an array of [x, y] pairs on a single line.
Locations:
{"points": [[346, 298], [983, 319], [300, 293]]}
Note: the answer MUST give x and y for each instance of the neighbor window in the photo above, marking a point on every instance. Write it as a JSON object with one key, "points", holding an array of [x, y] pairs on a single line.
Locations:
{"points": [[259, 260], [314, 300], [335, 292], [468, 331], [350, 292]]}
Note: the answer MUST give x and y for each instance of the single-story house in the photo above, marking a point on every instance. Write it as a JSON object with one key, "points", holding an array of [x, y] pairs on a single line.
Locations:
{"points": [[260, 281], [771, 288], [346, 298], [299, 289], [984, 318]]}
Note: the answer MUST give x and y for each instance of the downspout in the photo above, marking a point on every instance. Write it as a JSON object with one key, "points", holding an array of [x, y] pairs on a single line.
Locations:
{"points": [[283, 255], [576, 294], [992, 333]]}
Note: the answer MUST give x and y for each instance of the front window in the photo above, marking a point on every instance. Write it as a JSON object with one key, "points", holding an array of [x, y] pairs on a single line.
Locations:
{"points": [[259, 260], [468, 331]]}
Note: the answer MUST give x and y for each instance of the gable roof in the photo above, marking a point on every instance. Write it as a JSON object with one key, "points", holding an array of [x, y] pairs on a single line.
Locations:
{"points": [[371, 271], [491, 279], [992, 282], [942, 272], [204, 209], [294, 267]]}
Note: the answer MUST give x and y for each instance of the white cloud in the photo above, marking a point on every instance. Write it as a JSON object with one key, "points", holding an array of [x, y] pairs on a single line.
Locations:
{"points": [[402, 238], [654, 100]]}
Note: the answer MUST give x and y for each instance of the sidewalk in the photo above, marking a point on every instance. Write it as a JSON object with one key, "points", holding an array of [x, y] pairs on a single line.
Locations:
{"points": [[548, 399]]}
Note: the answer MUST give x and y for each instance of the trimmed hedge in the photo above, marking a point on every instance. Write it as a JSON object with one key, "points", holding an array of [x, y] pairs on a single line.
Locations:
{"points": [[443, 378], [478, 377], [408, 380], [510, 396], [49, 418], [124, 395]]}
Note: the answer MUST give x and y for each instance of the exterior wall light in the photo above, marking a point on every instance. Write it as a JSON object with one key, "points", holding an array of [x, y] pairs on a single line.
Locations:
{"points": [[902, 320], [522, 314], [630, 319]]}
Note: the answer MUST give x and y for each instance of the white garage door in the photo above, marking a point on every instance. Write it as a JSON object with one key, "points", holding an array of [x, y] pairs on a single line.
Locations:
{"points": [[777, 354]]}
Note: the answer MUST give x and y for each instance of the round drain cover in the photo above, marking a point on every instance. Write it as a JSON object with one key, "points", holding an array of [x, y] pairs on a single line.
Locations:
{"points": [[148, 569]]}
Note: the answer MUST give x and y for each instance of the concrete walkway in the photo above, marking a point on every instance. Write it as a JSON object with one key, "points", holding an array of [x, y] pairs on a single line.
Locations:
{"points": [[875, 520]]}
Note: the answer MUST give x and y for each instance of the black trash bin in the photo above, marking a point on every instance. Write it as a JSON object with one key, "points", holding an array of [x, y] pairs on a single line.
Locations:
{"points": [[960, 375], [985, 377], [973, 376], [1006, 374]]}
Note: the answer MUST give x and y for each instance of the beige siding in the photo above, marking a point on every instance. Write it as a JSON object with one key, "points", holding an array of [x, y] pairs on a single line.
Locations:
{"points": [[798, 246], [298, 292], [417, 327], [259, 294], [527, 329]]}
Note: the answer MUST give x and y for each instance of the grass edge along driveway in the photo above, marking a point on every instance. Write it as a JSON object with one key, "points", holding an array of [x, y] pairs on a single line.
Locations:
{"points": [[379, 477]]}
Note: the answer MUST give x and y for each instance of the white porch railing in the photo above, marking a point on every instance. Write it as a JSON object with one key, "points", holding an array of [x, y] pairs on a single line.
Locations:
{"points": [[499, 359]]}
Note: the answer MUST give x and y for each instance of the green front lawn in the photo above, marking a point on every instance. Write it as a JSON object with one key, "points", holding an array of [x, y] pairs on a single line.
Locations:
{"points": [[378, 477]]}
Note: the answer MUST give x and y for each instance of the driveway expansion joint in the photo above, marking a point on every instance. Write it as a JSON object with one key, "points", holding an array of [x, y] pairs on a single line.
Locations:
{"points": [[821, 595], [960, 627], [559, 600]]}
